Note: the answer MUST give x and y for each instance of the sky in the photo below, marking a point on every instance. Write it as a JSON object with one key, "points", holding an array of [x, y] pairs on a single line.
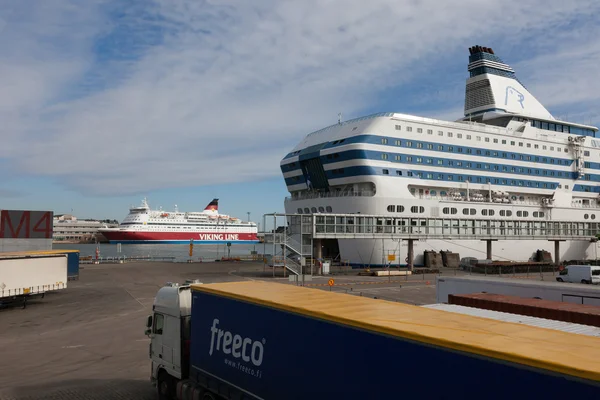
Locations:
{"points": [[103, 103]]}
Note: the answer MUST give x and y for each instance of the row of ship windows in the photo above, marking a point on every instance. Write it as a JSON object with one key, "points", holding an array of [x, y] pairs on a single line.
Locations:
{"points": [[492, 153], [479, 179], [478, 138], [314, 210], [464, 164], [471, 211]]}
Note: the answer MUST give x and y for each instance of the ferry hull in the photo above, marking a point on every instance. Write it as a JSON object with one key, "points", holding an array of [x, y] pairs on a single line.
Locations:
{"points": [[134, 237]]}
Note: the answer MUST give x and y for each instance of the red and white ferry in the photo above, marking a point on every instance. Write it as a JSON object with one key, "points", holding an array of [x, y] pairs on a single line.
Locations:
{"points": [[144, 225]]}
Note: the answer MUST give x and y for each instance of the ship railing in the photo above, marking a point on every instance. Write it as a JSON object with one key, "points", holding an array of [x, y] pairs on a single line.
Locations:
{"points": [[322, 195], [482, 201], [581, 205]]}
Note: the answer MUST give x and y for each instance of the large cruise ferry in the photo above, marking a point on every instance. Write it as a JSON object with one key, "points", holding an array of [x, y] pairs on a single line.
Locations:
{"points": [[144, 225], [507, 158]]}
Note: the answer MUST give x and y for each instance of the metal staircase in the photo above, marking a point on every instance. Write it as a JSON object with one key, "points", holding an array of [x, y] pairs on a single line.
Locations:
{"points": [[293, 243]]}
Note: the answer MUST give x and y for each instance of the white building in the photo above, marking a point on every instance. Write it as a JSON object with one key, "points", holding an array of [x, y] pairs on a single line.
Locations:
{"points": [[68, 228]]}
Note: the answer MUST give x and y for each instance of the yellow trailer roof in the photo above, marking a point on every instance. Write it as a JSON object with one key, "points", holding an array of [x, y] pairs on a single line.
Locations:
{"points": [[558, 351], [36, 252]]}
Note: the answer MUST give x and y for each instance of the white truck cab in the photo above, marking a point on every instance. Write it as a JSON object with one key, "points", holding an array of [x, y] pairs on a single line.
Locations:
{"points": [[580, 273], [169, 330]]}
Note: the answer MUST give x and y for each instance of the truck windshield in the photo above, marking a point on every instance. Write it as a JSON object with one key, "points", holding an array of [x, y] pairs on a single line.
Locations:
{"points": [[596, 271]]}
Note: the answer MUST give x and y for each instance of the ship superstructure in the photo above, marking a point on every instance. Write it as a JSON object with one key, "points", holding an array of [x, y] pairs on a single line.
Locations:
{"points": [[508, 157], [144, 225]]}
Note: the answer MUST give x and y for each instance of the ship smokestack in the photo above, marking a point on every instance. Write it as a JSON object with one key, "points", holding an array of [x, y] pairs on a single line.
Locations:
{"points": [[213, 205]]}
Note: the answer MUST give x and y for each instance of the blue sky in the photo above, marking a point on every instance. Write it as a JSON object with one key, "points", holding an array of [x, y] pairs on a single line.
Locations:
{"points": [[181, 101]]}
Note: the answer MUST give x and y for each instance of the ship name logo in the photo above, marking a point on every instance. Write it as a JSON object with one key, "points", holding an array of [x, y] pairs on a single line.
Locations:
{"points": [[219, 236], [514, 93]]}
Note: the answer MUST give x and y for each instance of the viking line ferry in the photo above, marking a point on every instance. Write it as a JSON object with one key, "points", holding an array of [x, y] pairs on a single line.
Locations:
{"points": [[144, 225]]}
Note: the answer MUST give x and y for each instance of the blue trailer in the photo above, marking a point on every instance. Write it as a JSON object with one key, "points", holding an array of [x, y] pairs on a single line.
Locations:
{"points": [[260, 340]]}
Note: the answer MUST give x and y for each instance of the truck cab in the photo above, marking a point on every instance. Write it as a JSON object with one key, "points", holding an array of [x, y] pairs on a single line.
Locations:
{"points": [[169, 330]]}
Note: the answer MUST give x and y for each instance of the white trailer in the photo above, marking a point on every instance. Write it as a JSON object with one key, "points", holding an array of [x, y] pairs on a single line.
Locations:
{"points": [[546, 290], [23, 276]]}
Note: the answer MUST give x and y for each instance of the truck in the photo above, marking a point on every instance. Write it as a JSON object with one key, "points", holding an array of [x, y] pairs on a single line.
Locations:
{"points": [[268, 340], [545, 290], [30, 275], [588, 274]]}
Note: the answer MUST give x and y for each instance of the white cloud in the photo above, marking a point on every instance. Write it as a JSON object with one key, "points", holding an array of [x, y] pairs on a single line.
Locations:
{"points": [[219, 91]]}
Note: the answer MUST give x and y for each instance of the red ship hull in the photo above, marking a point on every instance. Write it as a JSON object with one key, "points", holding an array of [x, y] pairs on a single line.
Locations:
{"points": [[138, 237]]}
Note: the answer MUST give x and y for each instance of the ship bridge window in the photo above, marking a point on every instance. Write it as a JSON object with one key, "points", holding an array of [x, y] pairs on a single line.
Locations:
{"points": [[398, 172], [386, 171], [419, 130], [306, 210], [391, 208], [468, 137], [417, 209], [398, 127], [430, 131], [384, 141], [321, 209], [409, 129], [449, 210], [328, 208], [313, 210], [440, 133], [399, 208]]}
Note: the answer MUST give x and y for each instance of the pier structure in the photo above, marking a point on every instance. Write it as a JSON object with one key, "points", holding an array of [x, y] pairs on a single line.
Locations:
{"points": [[299, 236]]}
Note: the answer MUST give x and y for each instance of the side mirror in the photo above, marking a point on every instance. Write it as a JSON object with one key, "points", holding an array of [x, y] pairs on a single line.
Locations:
{"points": [[147, 332], [149, 322]]}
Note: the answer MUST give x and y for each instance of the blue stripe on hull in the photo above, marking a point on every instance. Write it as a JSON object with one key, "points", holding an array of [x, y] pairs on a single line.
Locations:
{"points": [[183, 241]]}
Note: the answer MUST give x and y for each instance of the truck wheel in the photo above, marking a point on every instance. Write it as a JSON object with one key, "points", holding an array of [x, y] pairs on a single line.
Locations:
{"points": [[559, 279], [584, 281], [165, 388]]}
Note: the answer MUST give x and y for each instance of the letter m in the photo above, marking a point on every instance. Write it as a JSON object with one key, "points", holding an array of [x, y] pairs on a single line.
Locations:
{"points": [[6, 221]]}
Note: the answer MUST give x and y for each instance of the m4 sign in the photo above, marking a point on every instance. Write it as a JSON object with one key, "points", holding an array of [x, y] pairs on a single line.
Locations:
{"points": [[17, 224]]}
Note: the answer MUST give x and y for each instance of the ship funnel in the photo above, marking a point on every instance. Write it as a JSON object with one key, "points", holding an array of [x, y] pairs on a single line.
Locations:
{"points": [[493, 85], [213, 205]]}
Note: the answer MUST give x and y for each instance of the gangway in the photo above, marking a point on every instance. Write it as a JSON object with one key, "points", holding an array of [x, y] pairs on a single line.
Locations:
{"points": [[301, 231]]}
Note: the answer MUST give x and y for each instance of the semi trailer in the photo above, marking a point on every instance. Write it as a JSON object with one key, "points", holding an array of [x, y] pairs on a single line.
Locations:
{"points": [[25, 276], [263, 340]]}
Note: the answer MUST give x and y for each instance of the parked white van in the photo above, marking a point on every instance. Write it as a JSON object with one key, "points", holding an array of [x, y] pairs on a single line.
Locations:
{"points": [[580, 273]]}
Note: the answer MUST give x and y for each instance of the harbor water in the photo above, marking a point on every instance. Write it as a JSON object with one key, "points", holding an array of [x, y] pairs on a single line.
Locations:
{"points": [[180, 252]]}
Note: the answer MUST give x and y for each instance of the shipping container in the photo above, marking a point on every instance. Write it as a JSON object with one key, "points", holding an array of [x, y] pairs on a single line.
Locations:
{"points": [[548, 290], [556, 310], [262, 340]]}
